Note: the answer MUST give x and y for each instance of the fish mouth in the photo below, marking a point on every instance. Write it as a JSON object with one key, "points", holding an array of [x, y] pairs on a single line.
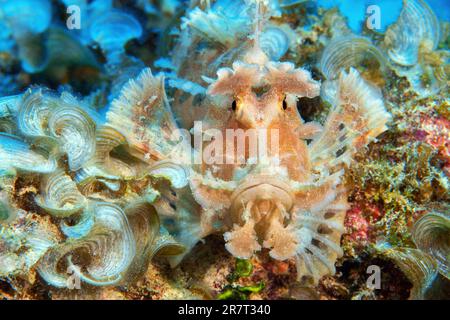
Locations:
{"points": [[261, 190]]}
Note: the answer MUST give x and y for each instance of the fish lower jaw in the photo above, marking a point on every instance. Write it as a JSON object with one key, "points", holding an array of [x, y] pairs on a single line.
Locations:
{"points": [[260, 194]]}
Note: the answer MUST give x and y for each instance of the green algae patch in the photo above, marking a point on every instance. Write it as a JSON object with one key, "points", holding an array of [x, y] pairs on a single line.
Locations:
{"points": [[234, 291]]}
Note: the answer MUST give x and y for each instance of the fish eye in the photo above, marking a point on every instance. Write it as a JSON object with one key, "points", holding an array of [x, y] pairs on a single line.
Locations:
{"points": [[285, 106], [233, 105]]}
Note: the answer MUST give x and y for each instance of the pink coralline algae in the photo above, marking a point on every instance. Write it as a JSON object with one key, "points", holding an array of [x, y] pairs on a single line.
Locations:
{"points": [[357, 225]]}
